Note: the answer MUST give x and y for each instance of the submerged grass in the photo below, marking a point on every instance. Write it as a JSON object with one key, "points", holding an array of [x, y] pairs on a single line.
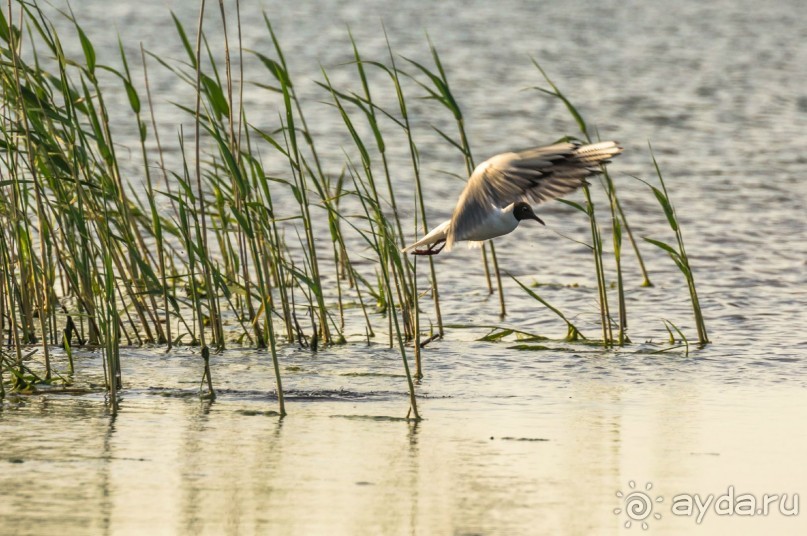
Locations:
{"points": [[222, 251]]}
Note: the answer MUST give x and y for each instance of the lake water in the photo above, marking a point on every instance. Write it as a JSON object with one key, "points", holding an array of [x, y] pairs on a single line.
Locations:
{"points": [[512, 442]]}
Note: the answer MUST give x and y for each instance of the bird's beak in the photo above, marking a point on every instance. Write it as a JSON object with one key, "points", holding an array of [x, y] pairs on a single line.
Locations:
{"points": [[539, 220]]}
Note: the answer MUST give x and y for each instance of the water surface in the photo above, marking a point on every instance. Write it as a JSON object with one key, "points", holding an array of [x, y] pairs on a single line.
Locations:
{"points": [[513, 442]]}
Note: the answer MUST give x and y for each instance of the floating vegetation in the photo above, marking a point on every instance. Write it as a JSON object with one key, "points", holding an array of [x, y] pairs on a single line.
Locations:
{"points": [[375, 418], [538, 348], [240, 236], [498, 333], [572, 333], [257, 413], [529, 439]]}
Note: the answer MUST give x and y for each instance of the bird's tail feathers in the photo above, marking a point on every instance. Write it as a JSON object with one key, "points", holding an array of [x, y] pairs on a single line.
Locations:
{"points": [[436, 235]]}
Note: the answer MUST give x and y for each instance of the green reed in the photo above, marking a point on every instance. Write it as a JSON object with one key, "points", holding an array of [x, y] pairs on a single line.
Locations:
{"points": [[405, 124], [596, 234], [438, 88], [398, 281], [572, 332], [618, 223], [219, 250], [678, 254], [670, 327], [381, 239]]}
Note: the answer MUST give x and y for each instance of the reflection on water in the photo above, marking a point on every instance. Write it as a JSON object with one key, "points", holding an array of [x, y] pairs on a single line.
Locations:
{"points": [[538, 449], [513, 442]]}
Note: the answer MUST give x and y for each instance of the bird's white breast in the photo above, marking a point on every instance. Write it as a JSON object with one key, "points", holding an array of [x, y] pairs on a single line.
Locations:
{"points": [[497, 223]]}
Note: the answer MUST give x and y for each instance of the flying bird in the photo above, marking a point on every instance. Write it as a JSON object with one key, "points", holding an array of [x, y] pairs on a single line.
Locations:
{"points": [[500, 193]]}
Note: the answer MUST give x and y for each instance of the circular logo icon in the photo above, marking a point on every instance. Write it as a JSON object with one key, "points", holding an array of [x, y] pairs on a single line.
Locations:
{"points": [[637, 505]]}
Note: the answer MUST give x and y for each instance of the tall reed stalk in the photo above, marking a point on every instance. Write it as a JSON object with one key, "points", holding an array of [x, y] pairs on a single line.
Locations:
{"points": [[679, 254]]}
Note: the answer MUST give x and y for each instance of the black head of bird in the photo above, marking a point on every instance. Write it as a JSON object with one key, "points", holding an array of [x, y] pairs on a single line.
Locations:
{"points": [[523, 211]]}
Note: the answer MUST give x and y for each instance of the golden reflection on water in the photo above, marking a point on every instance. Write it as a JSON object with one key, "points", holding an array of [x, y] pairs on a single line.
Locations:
{"points": [[178, 466]]}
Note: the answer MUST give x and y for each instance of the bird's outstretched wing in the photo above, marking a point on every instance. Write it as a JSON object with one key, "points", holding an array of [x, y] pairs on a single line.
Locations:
{"points": [[535, 176]]}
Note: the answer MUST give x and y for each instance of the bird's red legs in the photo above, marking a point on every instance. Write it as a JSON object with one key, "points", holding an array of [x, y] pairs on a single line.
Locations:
{"points": [[431, 250]]}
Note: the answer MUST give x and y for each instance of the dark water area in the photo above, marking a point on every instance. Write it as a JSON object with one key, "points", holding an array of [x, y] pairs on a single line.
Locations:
{"points": [[513, 441]]}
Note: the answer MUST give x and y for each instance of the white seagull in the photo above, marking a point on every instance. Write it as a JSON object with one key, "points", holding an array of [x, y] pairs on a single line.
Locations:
{"points": [[498, 195]]}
